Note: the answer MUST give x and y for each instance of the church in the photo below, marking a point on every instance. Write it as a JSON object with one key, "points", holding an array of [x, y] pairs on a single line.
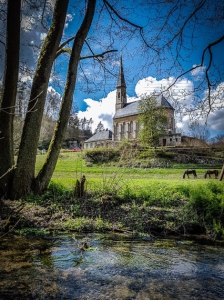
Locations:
{"points": [[125, 121]]}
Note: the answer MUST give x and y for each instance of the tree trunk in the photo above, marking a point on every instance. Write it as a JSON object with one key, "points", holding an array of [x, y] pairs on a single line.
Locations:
{"points": [[25, 170], [42, 180], [9, 94]]}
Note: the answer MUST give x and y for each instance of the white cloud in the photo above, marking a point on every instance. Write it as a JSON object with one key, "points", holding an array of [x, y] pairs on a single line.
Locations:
{"points": [[43, 36], [102, 110], [27, 23], [216, 121], [179, 95], [69, 18], [180, 91], [25, 78], [198, 73]]}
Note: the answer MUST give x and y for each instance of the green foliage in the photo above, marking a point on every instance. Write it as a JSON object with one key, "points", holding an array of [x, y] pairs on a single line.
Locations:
{"points": [[184, 204], [128, 193], [102, 225], [218, 229], [87, 224], [164, 154], [44, 144], [146, 153], [55, 193], [205, 202], [101, 155], [31, 232], [208, 203], [153, 121], [79, 224]]}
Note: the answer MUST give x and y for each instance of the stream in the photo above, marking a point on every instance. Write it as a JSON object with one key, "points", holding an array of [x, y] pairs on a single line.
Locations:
{"points": [[109, 266]]}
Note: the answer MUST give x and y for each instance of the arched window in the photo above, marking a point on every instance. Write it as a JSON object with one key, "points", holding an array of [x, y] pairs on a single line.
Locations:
{"points": [[124, 128], [117, 129], [131, 127]]}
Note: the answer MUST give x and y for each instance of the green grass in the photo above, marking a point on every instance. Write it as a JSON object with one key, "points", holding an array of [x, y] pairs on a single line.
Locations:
{"points": [[156, 196], [72, 166]]}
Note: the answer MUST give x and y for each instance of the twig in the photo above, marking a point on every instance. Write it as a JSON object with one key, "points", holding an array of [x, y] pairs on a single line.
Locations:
{"points": [[10, 229]]}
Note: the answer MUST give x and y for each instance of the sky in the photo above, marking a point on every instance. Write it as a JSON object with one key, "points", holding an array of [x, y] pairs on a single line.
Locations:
{"points": [[100, 105], [146, 69]]}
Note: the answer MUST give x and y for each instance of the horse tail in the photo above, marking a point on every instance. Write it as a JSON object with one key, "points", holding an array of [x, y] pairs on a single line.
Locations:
{"points": [[195, 174], [184, 175], [205, 175], [216, 173]]}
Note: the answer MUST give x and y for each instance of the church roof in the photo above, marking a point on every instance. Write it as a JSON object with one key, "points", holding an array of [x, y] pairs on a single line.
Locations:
{"points": [[100, 136], [121, 80], [131, 108]]}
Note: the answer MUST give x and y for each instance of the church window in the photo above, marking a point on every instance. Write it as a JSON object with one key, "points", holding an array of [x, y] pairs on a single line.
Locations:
{"points": [[119, 95], [117, 129], [131, 127], [124, 128]]}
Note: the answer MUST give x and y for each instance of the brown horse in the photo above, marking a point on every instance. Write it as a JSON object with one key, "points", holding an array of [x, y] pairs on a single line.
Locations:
{"points": [[210, 172], [192, 171]]}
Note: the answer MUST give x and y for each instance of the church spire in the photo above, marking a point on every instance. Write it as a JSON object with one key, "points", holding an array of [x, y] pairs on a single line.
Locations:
{"points": [[121, 98], [121, 81]]}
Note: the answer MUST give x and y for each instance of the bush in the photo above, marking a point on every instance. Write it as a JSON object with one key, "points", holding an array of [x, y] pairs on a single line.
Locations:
{"points": [[99, 155], [55, 193], [208, 202]]}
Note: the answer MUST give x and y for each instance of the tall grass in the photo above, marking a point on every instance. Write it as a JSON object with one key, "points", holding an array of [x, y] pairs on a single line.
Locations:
{"points": [[203, 199]]}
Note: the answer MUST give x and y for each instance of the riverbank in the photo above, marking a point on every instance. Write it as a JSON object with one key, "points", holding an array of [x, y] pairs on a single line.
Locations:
{"points": [[139, 200], [96, 215]]}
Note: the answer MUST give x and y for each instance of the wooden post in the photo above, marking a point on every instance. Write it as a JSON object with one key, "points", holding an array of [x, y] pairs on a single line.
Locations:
{"points": [[79, 187], [221, 174]]}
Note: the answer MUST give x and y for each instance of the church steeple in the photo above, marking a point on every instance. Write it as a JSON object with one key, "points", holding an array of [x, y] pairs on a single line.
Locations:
{"points": [[121, 81], [121, 98]]}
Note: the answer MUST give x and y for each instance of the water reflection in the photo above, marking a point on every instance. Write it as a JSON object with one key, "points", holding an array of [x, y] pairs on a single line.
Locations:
{"points": [[113, 267]]}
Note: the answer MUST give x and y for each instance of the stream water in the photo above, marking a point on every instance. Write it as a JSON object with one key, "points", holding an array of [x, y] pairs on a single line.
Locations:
{"points": [[113, 267]]}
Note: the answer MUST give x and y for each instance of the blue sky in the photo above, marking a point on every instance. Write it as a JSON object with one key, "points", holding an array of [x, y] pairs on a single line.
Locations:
{"points": [[145, 69]]}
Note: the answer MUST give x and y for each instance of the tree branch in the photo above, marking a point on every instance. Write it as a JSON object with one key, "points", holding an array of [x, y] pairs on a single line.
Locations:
{"points": [[107, 4], [101, 55], [66, 42], [109, 7], [186, 21], [63, 50], [208, 48]]}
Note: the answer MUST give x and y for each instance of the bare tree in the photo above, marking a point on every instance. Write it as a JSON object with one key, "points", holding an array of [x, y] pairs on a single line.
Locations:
{"points": [[199, 131], [24, 173]]}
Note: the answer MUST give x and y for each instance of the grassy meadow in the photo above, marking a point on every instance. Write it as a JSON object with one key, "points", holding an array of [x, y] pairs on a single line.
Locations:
{"points": [[117, 197], [71, 166]]}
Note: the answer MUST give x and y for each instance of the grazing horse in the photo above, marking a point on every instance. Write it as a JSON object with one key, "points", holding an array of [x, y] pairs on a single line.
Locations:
{"points": [[187, 172], [210, 172]]}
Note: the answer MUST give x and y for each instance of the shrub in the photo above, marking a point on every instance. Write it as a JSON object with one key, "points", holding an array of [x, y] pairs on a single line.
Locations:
{"points": [[208, 202], [101, 155], [55, 193]]}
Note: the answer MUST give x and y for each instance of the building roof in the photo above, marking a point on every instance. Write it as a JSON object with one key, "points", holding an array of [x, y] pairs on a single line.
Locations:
{"points": [[100, 136], [131, 108]]}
